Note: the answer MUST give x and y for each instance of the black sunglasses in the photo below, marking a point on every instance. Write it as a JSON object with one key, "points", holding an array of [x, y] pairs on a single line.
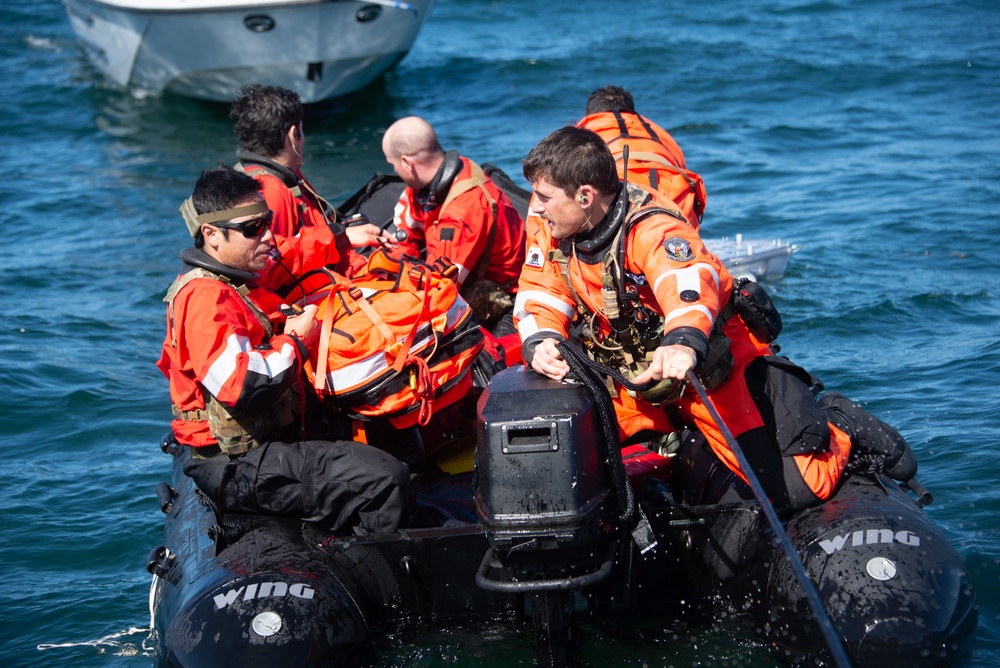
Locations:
{"points": [[250, 229]]}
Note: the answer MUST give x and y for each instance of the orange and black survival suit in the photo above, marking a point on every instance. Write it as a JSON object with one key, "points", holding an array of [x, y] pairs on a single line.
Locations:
{"points": [[682, 296], [239, 402], [463, 216], [655, 159]]}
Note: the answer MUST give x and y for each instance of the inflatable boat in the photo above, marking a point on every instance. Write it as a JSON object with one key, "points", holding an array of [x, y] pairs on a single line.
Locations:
{"points": [[548, 523]]}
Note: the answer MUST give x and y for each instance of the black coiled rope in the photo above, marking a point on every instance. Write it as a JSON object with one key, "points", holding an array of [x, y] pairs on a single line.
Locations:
{"points": [[588, 373]]}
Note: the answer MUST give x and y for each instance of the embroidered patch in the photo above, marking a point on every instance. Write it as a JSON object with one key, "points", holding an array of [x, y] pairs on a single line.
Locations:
{"points": [[678, 249], [535, 258]]}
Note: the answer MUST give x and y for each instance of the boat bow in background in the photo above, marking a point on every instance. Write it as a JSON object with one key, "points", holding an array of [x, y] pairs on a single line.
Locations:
{"points": [[209, 49]]}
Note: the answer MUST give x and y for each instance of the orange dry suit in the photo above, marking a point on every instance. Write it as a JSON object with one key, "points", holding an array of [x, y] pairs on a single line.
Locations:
{"points": [[295, 203], [682, 296], [654, 160], [314, 247], [463, 216], [234, 378]]}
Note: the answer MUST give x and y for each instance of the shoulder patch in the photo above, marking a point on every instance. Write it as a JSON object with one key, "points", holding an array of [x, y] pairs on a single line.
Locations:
{"points": [[534, 258], [678, 250]]}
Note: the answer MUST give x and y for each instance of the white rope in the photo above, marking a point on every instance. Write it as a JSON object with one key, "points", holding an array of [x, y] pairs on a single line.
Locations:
{"points": [[123, 648]]}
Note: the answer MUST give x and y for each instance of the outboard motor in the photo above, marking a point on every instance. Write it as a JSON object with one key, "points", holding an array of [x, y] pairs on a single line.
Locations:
{"points": [[542, 492], [544, 496]]}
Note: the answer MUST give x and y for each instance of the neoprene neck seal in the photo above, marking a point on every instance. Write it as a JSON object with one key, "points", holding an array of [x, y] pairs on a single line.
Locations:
{"points": [[434, 193]]}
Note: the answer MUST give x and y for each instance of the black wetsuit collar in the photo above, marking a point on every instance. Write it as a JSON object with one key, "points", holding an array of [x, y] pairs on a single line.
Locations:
{"points": [[596, 241], [290, 178], [434, 193], [196, 257]]}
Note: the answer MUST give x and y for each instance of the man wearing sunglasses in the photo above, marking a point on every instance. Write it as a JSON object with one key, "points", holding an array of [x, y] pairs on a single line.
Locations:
{"points": [[234, 365]]}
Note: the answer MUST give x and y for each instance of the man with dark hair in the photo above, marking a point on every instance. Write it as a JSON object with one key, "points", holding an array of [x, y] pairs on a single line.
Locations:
{"points": [[610, 98], [451, 208], [270, 127], [654, 160], [656, 304], [234, 363]]}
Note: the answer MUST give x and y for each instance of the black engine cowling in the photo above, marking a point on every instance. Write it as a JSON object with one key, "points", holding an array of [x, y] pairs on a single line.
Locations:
{"points": [[542, 490]]}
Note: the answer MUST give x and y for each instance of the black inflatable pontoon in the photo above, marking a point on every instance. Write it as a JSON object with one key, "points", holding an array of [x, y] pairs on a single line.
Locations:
{"points": [[550, 539]]}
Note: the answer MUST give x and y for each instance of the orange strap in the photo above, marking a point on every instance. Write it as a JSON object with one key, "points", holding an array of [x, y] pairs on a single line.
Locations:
{"points": [[425, 309], [324, 342], [373, 315], [400, 350], [358, 431], [422, 385]]}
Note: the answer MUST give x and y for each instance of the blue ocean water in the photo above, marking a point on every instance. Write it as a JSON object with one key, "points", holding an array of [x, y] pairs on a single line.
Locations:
{"points": [[865, 132]]}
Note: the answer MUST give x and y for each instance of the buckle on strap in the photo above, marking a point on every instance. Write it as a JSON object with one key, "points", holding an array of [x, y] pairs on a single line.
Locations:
{"points": [[188, 416]]}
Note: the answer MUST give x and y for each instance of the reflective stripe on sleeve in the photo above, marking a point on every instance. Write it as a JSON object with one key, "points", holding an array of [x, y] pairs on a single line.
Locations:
{"points": [[528, 326], [688, 276], [684, 310], [541, 297], [224, 366]]}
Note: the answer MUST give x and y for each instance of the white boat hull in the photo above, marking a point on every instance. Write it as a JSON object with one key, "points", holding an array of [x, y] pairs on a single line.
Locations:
{"points": [[320, 50], [757, 259]]}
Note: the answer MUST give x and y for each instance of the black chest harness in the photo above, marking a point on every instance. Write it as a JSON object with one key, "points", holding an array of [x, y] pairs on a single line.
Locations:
{"points": [[636, 330]]}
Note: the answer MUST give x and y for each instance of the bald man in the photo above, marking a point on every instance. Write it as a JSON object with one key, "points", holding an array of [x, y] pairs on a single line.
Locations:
{"points": [[451, 209]]}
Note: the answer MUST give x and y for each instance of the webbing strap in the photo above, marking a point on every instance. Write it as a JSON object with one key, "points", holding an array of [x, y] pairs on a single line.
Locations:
{"points": [[324, 342], [646, 156], [328, 210], [623, 129], [404, 349], [478, 179], [260, 206], [664, 163], [373, 315], [562, 260], [398, 350]]}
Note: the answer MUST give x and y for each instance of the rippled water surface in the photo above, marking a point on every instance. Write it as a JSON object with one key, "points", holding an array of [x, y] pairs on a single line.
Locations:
{"points": [[865, 132]]}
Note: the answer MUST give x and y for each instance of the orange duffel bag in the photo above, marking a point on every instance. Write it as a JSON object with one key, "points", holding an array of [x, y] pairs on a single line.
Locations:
{"points": [[397, 340]]}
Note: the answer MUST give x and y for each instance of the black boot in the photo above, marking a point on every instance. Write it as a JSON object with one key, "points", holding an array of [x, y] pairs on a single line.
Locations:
{"points": [[871, 436]]}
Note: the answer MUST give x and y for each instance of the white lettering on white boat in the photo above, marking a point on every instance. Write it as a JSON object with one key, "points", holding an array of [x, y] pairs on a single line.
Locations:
{"points": [[869, 537], [264, 590]]}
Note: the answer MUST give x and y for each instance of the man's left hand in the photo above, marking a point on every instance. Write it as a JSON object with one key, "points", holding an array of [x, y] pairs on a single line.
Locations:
{"points": [[369, 235], [668, 362]]}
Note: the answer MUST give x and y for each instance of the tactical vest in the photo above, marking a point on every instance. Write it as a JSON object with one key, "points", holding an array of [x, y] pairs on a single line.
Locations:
{"points": [[236, 431], [636, 330]]}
